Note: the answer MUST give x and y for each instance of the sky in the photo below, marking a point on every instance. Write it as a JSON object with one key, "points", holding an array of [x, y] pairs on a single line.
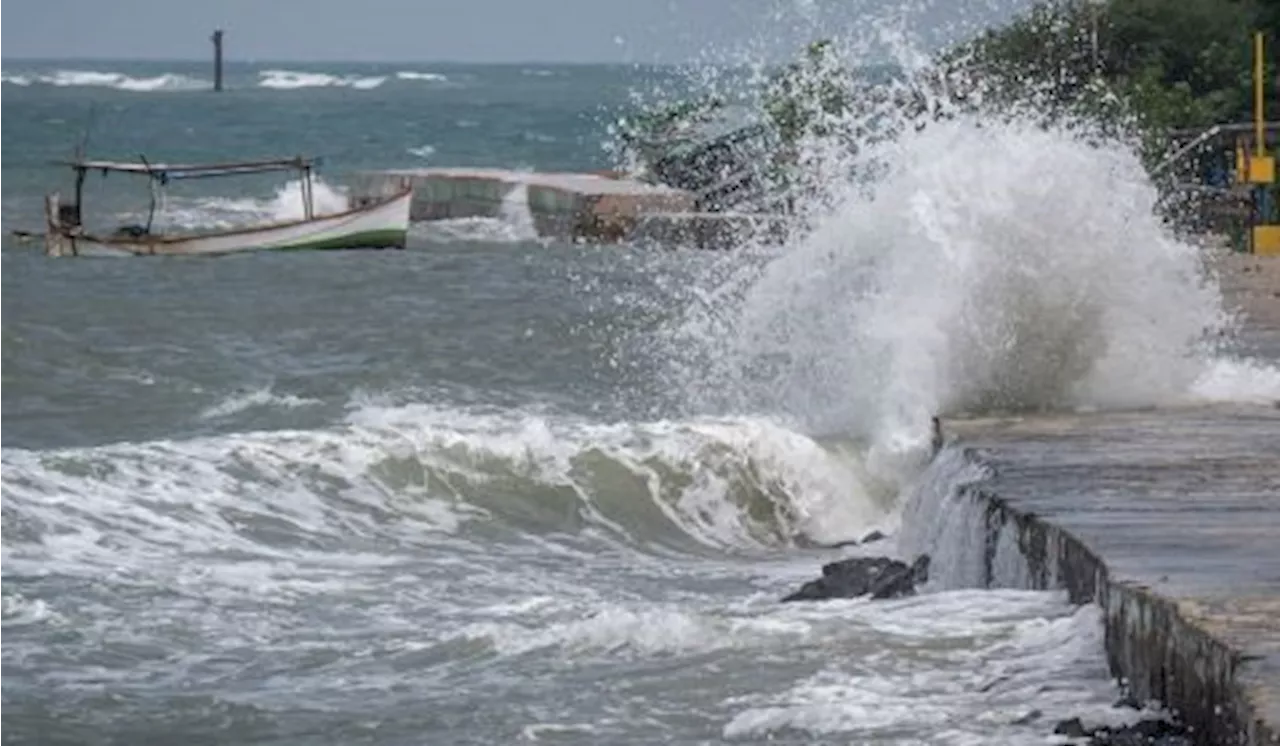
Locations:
{"points": [[626, 31]]}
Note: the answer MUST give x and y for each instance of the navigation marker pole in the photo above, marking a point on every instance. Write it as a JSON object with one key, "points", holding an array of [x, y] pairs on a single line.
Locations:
{"points": [[217, 59]]}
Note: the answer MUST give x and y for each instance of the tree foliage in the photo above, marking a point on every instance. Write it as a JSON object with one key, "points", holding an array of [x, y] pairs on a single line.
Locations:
{"points": [[1178, 63]]}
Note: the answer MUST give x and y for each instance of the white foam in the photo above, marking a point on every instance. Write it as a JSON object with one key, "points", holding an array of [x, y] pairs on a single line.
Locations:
{"points": [[288, 80], [974, 679], [423, 151], [18, 610], [515, 213], [1237, 380], [262, 397], [813, 491], [116, 80], [625, 631], [421, 76], [979, 262], [229, 212], [714, 484], [514, 223]]}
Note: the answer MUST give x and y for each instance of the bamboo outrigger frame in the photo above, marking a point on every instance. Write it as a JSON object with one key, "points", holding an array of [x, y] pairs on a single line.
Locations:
{"points": [[160, 174]]}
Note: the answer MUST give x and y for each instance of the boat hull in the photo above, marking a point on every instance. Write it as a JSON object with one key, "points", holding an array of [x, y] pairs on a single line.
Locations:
{"points": [[377, 225]]}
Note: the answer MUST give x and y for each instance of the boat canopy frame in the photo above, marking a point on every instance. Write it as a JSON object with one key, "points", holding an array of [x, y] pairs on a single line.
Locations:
{"points": [[161, 174]]}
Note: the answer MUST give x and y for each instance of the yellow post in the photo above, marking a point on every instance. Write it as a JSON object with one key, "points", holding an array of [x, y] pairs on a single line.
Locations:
{"points": [[1262, 165], [1259, 119]]}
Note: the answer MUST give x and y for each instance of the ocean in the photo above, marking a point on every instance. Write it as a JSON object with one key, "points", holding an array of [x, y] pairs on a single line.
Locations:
{"points": [[497, 489]]}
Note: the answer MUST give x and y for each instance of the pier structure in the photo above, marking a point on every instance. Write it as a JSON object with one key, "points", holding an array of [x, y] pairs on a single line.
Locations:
{"points": [[593, 207], [1168, 519]]}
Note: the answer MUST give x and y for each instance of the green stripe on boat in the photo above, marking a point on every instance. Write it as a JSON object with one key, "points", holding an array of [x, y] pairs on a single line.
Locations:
{"points": [[389, 238]]}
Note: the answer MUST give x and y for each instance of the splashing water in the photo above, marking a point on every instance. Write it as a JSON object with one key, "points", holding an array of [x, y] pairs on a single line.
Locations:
{"points": [[969, 263], [227, 212], [347, 573]]}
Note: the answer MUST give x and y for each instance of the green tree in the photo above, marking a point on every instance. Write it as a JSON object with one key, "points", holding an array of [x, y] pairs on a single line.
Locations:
{"points": [[1179, 63]]}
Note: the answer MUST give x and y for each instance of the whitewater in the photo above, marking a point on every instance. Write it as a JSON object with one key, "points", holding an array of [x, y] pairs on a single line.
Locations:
{"points": [[494, 489]]}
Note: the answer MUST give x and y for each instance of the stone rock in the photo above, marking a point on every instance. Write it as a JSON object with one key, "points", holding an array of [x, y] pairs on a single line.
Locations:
{"points": [[878, 577], [1141, 733], [1072, 728]]}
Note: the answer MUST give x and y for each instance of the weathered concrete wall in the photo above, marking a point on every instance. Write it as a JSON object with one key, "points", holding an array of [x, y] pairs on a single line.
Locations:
{"points": [[597, 207], [565, 206], [1159, 652], [1175, 536]]}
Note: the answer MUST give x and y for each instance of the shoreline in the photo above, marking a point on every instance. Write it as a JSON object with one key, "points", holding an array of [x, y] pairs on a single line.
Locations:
{"points": [[1169, 520], [1207, 657]]}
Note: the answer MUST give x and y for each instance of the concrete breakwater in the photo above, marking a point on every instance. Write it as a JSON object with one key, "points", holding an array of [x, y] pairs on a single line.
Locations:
{"points": [[595, 207], [1169, 521]]}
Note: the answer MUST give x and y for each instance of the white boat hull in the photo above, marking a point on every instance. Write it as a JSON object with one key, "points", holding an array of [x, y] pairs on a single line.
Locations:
{"points": [[380, 224]]}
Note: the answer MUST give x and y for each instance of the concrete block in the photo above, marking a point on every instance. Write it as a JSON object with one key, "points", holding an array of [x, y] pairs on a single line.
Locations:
{"points": [[565, 206]]}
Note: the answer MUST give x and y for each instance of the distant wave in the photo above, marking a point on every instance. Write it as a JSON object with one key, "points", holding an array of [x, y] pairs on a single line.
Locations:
{"points": [[274, 79], [412, 75], [288, 80], [97, 79], [293, 79]]}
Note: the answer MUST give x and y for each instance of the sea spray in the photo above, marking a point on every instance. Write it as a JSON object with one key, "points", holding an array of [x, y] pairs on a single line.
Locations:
{"points": [[958, 260]]}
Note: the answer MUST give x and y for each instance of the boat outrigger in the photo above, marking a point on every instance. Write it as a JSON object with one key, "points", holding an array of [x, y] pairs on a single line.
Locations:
{"points": [[378, 223]]}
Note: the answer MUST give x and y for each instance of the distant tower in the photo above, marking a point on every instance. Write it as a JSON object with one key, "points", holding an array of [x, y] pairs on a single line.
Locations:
{"points": [[217, 60]]}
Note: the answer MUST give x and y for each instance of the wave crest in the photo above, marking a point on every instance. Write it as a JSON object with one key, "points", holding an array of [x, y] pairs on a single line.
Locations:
{"points": [[397, 476]]}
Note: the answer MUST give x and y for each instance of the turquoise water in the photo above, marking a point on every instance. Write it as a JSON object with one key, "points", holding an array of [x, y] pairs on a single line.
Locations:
{"points": [[353, 116]]}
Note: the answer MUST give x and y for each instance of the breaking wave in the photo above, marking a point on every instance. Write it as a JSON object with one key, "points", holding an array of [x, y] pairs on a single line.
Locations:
{"points": [[405, 473], [976, 263], [287, 80], [513, 224], [414, 75], [228, 212], [295, 79], [272, 79], [115, 80]]}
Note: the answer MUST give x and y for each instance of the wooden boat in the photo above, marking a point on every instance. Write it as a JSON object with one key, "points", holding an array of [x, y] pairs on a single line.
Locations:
{"points": [[376, 223]]}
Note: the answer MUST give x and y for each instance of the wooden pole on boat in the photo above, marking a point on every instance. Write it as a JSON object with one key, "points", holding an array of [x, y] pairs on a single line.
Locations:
{"points": [[217, 60], [308, 199]]}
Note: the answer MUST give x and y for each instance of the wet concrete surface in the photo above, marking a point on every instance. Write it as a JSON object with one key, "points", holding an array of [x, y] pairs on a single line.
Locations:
{"points": [[1184, 503], [1176, 513]]}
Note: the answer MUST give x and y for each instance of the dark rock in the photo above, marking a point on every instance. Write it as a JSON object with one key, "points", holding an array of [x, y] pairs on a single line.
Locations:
{"points": [[879, 577], [873, 536], [1072, 728], [1128, 700], [901, 580], [1141, 733]]}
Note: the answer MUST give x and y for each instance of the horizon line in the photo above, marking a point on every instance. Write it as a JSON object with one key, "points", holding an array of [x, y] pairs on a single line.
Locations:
{"points": [[320, 60], [5, 59]]}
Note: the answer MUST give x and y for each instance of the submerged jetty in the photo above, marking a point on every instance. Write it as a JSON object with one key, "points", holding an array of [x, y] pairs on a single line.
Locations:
{"points": [[1169, 520], [591, 207], [700, 183]]}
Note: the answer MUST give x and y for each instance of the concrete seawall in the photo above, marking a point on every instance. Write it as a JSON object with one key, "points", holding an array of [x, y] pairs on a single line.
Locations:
{"points": [[601, 208], [1170, 521]]}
